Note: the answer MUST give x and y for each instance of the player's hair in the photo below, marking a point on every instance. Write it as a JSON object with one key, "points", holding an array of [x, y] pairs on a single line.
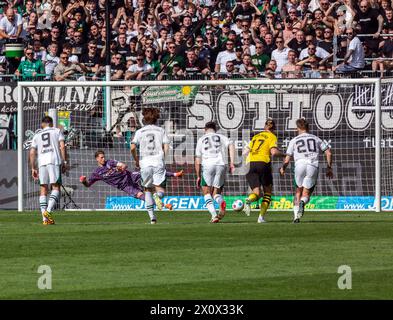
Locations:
{"points": [[270, 124], [211, 125], [150, 115], [302, 124], [48, 120], [98, 152]]}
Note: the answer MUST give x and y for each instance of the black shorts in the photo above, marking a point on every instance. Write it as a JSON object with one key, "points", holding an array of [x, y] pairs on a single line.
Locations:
{"points": [[260, 174]]}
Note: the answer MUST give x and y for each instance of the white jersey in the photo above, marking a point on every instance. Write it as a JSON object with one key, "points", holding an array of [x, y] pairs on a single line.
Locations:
{"points": [[306, 146], [150, 140], [47, 143], [212, 149]]}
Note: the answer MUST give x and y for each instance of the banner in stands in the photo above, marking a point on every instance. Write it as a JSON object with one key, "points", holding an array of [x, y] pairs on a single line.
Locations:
{"points": [[8, 179], [8, 97], [240, 112]]}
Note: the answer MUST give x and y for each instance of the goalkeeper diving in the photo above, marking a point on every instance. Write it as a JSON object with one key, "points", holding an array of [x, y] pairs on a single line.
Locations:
{"points": [[115, 174]]}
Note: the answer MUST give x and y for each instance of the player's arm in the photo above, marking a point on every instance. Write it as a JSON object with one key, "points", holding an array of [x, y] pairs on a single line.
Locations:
{"points": [[198, 170], [285, 164], [275, 152], [288, 157], [329, 159], [231, 149], [89, 182], [165, 144], [134, 153], [198, 162], [165, 148], [64, 156], [33, 158], [121, 166], [84, 181]]}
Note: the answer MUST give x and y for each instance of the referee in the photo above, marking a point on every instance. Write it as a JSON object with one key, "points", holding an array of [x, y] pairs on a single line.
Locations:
{"points": [[260, 150]]}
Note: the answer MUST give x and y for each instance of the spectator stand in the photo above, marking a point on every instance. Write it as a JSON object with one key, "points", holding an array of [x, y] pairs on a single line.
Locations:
{"points": [[183, 39]]}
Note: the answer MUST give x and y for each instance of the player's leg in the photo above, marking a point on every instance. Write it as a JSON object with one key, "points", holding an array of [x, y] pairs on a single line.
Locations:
{"points": [[253, 180], [134, 188], [309, 183], [206, 185], [135, 192], [209, 203], [147, 183], [266, 200], [176, 174], [300, 174], [44, 202], [55, 182], [218, 184], [266, 180], [159, 181], [149, 204], [46, 177], [296, 200], [158, 195]]}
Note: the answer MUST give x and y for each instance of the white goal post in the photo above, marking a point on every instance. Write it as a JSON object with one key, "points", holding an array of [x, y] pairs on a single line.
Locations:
{"points": [[239, 106]]}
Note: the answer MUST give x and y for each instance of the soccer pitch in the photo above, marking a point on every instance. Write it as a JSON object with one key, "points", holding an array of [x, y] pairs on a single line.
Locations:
{"points": [[114, 255]]}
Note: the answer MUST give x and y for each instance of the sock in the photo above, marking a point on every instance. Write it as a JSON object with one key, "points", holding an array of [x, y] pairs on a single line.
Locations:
{"points": [[305, 199], [218, 198], [170, 174], [295, 211], [267, 198], [53, 198], [43, 205], [178, 174], [252, 197], [160, 194], [149, 205], [209, 204]]}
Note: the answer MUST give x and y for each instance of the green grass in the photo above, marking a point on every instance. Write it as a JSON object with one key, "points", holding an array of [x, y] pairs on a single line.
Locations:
{"points": [[106, 255]]}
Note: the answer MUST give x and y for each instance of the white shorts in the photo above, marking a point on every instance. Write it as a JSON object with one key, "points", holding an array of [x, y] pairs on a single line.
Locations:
{"points": [[153, 176], [213, 176], [306, 174], [49, 174]]}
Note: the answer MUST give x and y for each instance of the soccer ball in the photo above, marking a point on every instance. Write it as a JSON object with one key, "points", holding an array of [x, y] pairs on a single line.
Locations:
{"points": [[237, 205]]}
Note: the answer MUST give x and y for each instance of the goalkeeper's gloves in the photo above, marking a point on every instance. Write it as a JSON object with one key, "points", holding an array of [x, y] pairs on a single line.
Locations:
{"points": [[82, 179]]}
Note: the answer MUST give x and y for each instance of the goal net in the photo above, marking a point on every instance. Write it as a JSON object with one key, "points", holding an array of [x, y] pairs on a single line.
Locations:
{"points": [[342, 112]]}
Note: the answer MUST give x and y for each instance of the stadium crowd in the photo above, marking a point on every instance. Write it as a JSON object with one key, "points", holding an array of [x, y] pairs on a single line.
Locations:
{"points": [[216, 39]]}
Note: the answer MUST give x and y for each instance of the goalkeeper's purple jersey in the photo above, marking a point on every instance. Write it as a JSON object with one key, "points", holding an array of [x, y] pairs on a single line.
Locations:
{"points": [[126, 181]]}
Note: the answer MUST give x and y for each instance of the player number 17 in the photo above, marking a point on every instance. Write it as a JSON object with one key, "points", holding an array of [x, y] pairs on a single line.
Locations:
{"points": [[261, 141]]}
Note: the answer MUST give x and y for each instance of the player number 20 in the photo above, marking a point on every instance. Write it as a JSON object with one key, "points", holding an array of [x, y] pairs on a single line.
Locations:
{"points": [[306, 145]]}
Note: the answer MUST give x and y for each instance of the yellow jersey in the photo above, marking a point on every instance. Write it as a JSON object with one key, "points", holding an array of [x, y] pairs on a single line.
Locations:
{"points": [[260, 146]]}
